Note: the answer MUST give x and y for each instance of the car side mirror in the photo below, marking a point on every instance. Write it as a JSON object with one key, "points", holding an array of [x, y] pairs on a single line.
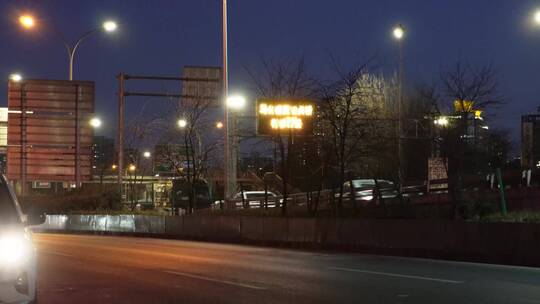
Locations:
{"points": [[35, 218]]}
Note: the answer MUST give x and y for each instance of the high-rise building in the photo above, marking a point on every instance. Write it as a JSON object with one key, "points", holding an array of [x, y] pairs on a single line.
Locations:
{"points": [[103, 154], [530, 141]]}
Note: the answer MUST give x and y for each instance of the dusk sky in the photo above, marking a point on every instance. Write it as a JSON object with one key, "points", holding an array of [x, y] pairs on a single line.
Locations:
{"points": [[159, 37]]}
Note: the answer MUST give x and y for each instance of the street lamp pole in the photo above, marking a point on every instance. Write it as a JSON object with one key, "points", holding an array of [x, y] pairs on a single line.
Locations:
{"points": [[228, 178], [72, 49], [399, 33], [28, 22]]}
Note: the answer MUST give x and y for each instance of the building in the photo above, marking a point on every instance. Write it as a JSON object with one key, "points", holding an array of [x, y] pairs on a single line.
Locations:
{"points": [[530, 141], [3, 138], [103, 154]]}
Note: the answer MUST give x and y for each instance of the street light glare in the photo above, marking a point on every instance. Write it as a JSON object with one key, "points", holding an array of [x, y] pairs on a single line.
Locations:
{"points": [[442, 121], [132, 168], [399, 32], [27, 21], [182, 123], [219, 125], [236, 102], [95, 122], [537, 17], [147, 154], [15, 77], [109, 26]]}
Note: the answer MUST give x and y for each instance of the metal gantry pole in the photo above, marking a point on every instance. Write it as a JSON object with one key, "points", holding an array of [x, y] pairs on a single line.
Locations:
{"points": [[120, 152], [77, 137]]}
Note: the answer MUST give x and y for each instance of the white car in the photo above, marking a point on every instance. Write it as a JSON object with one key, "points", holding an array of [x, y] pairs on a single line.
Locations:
{"points": [[18, 260], [255, 199]]}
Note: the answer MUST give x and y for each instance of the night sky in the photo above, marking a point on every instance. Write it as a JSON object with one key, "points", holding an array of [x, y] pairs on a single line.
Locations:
{"points": [[159, 37]]}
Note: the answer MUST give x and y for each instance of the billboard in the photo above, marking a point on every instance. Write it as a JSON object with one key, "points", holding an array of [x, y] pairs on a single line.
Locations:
{"points": [[285, 116], [43, 117], [201, 83]]}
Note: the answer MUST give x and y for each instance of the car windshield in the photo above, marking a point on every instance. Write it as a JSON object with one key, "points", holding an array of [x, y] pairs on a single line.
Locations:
{"points": [[256, 194], [8, 213], [362, 183]]}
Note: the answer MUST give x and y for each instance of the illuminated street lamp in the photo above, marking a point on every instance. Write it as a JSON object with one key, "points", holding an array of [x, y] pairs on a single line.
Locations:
{"points": [[537, 17], [399, 32], [95, 122], [109, 26], [15, 77], [182, 123], [132, 168], [236, 102], [114, 167], [219, 125], [28, 22], [442, 121], [147, 154]]}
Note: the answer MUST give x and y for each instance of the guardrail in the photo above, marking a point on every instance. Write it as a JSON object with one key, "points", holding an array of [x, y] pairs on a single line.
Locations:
{"points": [[493, 243]]}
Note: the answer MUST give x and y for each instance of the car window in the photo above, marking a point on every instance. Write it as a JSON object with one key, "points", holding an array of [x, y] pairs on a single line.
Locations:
{"points": [[385, 184], [362, 183], [8, 212]]}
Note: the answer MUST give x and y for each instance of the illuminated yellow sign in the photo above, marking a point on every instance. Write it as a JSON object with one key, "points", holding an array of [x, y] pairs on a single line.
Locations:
{"points": [[286, 123], [464, 106], [275, 115], [285, 110]]}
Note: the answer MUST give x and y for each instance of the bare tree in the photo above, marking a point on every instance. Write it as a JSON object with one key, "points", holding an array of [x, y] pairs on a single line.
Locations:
{"points": [[287, 80], [467, 88], [196, 140], [357, 117]]}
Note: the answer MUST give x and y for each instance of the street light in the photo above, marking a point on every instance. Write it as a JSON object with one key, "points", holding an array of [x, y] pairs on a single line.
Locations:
{"points": [[399, 32], [442, 121], [537, 17], [236, 102], [147, 154], [15, 77], [109, 26], [182, 123], [132, 168], [95, 122], [28, 22], [219, 125]]}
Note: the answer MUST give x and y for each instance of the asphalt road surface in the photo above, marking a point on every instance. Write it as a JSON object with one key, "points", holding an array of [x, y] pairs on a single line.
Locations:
{"points": [[100, 269]]}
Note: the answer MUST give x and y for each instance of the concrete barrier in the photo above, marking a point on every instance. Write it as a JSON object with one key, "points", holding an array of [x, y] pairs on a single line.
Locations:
{"points": [[506, 243]]}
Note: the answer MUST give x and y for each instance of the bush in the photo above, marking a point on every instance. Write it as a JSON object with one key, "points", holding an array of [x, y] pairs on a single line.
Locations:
{"points": [[75, 200]]}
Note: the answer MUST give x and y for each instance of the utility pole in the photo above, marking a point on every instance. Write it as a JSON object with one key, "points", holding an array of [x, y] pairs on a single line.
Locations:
{"points": [[230, 155]]}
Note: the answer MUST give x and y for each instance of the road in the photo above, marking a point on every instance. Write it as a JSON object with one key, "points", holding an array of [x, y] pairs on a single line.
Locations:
{"points": [[103, 269]]}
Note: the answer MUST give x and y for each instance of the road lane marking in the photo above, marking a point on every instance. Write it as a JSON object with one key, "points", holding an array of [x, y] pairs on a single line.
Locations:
{"points": [[194, 276], [397, 275], [55, 253]]}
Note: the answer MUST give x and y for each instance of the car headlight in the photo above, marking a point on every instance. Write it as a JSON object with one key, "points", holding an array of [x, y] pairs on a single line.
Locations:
{"points": [[14, 248]]}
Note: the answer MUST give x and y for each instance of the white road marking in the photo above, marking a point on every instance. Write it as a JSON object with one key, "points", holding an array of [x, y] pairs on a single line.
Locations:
{"points": [[397, 275], [57, 253], [194, 276]]}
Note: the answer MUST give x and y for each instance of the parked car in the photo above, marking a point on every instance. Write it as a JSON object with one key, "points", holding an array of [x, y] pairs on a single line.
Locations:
{"points": [[18, 260], [252, 199], [364, 189]]}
